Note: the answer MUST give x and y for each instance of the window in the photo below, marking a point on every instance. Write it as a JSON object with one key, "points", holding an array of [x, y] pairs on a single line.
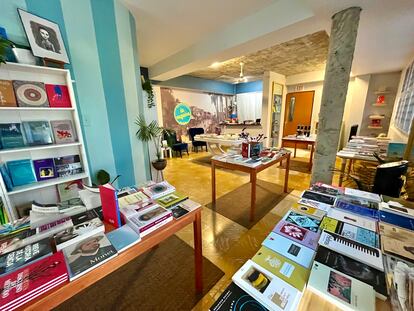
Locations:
{"points": [[405, 110]]}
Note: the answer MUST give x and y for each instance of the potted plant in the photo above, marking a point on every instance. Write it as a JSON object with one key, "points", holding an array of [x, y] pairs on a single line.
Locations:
{"points": [[147, 87], [152, 132], [4, 46]]}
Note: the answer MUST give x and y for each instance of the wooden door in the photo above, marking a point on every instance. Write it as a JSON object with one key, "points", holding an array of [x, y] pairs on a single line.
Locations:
{"points": [[298, 111]]}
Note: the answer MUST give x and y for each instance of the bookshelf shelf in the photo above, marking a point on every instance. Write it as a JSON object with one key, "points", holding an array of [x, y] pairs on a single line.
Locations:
{"points": [[45, 147], [379, 105], [43, 184], [375, 127], [376, 117]]}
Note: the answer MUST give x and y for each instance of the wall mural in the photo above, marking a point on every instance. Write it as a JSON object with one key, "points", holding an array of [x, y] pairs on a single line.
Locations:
{"points": [[207, 110]]}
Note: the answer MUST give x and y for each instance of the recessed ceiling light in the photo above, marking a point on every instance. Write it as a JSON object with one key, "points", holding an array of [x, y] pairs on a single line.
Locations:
{"points": [[215, 65]]}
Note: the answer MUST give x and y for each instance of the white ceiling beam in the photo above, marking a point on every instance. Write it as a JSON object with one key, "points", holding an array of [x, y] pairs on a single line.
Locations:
{"points": [[282, 21]]}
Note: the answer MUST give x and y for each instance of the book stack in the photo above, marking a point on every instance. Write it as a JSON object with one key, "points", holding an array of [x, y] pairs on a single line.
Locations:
{"points": [[366, 146]]}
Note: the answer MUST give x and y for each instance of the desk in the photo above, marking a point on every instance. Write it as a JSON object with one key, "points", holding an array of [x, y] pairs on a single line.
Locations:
{"points": [[345, 156], [253, 177], [307, 141], [217, 141], [70, 289]]}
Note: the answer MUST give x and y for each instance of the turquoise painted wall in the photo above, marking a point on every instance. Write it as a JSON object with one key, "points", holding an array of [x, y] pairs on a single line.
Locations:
{"points": [[97, 34], [248, 87]]}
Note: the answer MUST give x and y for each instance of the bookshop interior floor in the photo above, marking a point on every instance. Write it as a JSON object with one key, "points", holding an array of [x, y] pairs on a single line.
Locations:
{"points": [[226, 243]]}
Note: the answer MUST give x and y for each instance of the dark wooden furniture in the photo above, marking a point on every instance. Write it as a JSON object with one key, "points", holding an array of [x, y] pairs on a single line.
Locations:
{"points": [[306, 141], [55, 297], [192, 132], [253, 177]]}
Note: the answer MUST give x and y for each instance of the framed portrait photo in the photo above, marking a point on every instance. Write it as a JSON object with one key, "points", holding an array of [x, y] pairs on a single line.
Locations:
{"points": [[44, 37]]}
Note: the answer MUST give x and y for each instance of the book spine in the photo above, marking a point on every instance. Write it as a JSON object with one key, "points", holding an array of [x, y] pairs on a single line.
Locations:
{"points": [[53, 230], [156, 222], [53, 224], [155, 227]]}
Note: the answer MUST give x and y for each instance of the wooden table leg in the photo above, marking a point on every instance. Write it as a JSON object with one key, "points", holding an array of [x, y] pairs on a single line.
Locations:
{"points": [[213, 183], [294, 151], [341, 173], [198, 253], [286, 185], [311, 157], [349, 166], [253, 179]]}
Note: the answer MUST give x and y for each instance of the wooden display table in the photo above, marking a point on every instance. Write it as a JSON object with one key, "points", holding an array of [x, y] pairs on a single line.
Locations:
{"points": [[297, 140], [57, 296], [253, 177], [351, 157]]}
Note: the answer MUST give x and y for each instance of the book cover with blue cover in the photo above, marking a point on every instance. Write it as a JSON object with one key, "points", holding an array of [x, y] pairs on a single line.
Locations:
{"points": [[21, 172], [38, 133], [305, 221], [11, 136], [357, 209], [44, 169], [397, 220], [296, 252], [6, 177], [123, 238]]}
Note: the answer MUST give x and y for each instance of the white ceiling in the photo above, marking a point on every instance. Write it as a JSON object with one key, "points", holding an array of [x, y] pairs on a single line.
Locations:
{"points": [[171, 30]]}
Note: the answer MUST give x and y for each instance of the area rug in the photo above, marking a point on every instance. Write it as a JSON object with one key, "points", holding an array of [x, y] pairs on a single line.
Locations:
{"points": [[301, 165], [206, 161], [235, 205], [160, 279]]}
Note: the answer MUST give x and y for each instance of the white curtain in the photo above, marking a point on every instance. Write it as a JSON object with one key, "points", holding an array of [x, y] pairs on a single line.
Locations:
{"points": [[249, 106]]}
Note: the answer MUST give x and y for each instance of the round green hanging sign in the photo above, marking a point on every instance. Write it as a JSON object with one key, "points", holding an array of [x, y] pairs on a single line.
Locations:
{"points": [[182, 114]]}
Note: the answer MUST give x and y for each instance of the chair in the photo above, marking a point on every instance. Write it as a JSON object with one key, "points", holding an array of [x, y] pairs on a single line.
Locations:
{"points": [[196, 144], [174, 144]]}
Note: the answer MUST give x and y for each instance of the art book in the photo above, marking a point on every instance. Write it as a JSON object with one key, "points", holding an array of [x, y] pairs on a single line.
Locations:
{"points": [[110, 206], [158, 190], [69, 190], [30, 94], [44, 169], [353, 219], [63, 131], [132, 199], [361, 202], [340, 289], [37, 133], [395, 207], [123, 238], [24, 256], [6, 176], [14, 241], [308, 210], [355, 269], [297, 234], [21, 172], [397, 220], [373, 197], [404, 249], [358, 251], [235, 299], [58, 96], [171, 199], [27, 283], [304, 221], [271, 291], [327, 189], [396, 232], [7, 98], [178, 211], [296, 252], [190, 205], [356, 209], [319, 197], [352, 232], [68, 165], [88, 254], [283, 268], [319, 205], [149, 219], [11, 135]]}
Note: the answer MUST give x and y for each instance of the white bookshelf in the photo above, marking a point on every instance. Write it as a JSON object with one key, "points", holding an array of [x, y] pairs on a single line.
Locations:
{"points": [[44, 191]]}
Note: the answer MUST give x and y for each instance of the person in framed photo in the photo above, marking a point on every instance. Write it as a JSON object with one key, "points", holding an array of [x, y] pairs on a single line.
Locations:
{"points": [[45, 43]]}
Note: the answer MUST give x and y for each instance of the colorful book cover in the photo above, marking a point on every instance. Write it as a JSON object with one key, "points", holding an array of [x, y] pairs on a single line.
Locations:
{"points": [[69, 190], [319, 205], [44, 169], [12, 242], [58, 96], [358, 251], [30, 94], [110, 206], [178, 211], [363, 195], [308, 210], [123, 238], [397, 220], [63, 131], [320, 197], [21, 172], [327, 189], [352, 232], [6, 177], [11, 135], [304, 221], [271, 291], [25, 284], [354, 268], [88, 254], [235, 299], [282, 267], [404, 249], [68, 165], [158, 190], [355, 209], [340, 289], [7, 97], [353, 219], [290, 249], [171, 199], [394, 207], [24, 256], [37, 133], [297, 234], [132, 199], [362, 202], [144, 219]]}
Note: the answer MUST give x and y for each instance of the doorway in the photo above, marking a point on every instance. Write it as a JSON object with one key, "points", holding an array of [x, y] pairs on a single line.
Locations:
{"points": [[298, 111]]}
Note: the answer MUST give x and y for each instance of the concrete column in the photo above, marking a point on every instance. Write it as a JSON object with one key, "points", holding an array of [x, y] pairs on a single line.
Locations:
{"points": [[341, 52]]}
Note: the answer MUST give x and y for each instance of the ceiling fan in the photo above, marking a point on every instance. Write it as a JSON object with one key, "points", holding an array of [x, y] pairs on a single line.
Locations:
{"points": [[241, 79]]}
